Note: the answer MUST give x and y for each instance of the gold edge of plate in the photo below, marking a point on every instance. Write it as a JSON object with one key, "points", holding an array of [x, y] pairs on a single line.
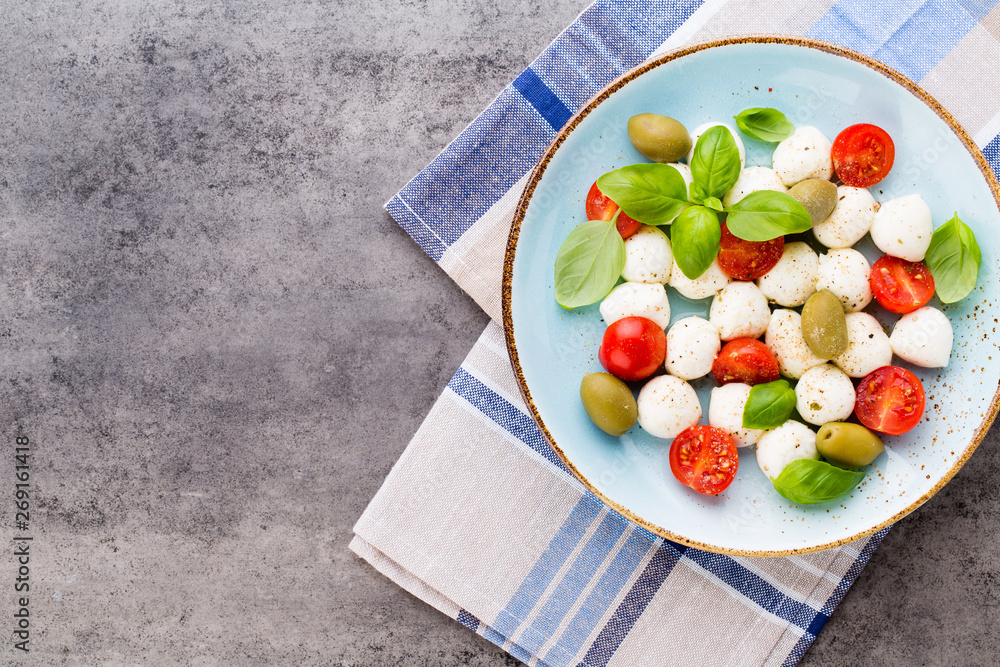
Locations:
{"points": [[539, 170]]}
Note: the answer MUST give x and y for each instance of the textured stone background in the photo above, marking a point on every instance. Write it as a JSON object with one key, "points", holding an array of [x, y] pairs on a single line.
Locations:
{"points": [[219, 342]]}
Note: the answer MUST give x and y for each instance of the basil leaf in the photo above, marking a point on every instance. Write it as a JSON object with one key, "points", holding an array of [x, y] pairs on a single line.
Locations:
{"points": [[807, 481], [953, 258], [766, 215], [589, 263], [651, 193], [769, 405], [695, 237], [714, 204], [715, 165], [765, 123]]}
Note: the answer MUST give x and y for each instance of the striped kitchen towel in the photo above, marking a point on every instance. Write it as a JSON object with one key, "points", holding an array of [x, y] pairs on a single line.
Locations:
{"points": [[479, 517]]}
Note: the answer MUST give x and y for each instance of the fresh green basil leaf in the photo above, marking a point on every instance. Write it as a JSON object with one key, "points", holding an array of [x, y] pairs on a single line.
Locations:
{"points": [[695, 237], [765, 123], [653, 194], [953, 258], [769, 405], [589, 263], [808, 481], [766, 215], [713, 203], [715, 165]]}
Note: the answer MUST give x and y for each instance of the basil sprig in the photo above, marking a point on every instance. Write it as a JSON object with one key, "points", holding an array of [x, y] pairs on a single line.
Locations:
{"points": [[715, 164], [765, 123], [807, 481], [766, 215], [651, 193], [695, 236], [589, 262], [769, 405], [954, 258]]}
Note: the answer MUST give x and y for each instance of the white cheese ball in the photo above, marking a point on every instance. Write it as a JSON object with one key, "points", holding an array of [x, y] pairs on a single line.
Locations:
{"points": [[725, 411], [805, 154], [793, 278], [868, 347], [902, 228], [706, 285], [647, 300], [740, 310], [685, 172], [845, 272], [824, 394], [667, 406], [692, 345], [850, 220], [784, 338], [700, 130], [780, 446], [648, 257], [753, 179], [923, 337]]}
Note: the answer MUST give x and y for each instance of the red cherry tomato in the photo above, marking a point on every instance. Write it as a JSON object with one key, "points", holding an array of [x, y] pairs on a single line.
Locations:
{"points": [[748, 260], [745, 360], [633, 348], [890, 400], [704, 458], [899, 285], [600, 207], [863, 155]]}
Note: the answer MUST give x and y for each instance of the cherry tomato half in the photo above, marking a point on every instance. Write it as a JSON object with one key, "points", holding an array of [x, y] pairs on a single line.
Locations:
{"points": [[748, 260], [863, 155], [890, 400], [745, 360], [704, 458], [899, 285], [633, 348], [600, 207]]}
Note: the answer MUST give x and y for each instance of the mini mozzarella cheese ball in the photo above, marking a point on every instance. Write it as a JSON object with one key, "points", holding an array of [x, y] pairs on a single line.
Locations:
{"points": [[784, 338], [725, 411], [805, 154], [753, 179], [692, 345], [740, 310], [700, 130], [824, 394], [923, 337], [647, 300], [685, 172], [706, 285], [793, 278], [845, 272], [667, 406], [851, 218], [648, 257], [902, 228], [780, 446], [868, 347]]}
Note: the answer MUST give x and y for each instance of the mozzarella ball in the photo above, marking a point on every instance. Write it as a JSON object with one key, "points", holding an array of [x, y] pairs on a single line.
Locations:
{"points": [[805, 154], [648, 257], [753, 179], [700, 130], [706, 285], [793, 278], [647, 300], [868, 347], [667, 406], [824, 394], [850, 221], [923, 337], [692, 345], [902, 228], [685, 172], [845, 272], [740, 310], [780, 446], [784, 338], [725, 411]]}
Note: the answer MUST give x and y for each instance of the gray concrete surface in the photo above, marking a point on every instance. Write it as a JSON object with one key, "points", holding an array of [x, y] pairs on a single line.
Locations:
{"points": [[219, 343]]}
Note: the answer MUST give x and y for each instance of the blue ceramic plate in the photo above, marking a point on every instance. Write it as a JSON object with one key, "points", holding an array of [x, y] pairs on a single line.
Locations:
{"points": [[552, 348]]}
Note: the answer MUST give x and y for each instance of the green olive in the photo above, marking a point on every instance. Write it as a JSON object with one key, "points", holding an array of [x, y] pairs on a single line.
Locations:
{"points": [[659, 138], [848, 445], [824, 325], [609, 403], [818, 195]]}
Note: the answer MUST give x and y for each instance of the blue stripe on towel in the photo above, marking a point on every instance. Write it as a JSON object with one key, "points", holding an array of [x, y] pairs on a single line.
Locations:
{"points": [[992, 154]]}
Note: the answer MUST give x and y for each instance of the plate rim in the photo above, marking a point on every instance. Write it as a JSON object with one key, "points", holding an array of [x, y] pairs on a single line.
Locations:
{"points": [[539, 170]]}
